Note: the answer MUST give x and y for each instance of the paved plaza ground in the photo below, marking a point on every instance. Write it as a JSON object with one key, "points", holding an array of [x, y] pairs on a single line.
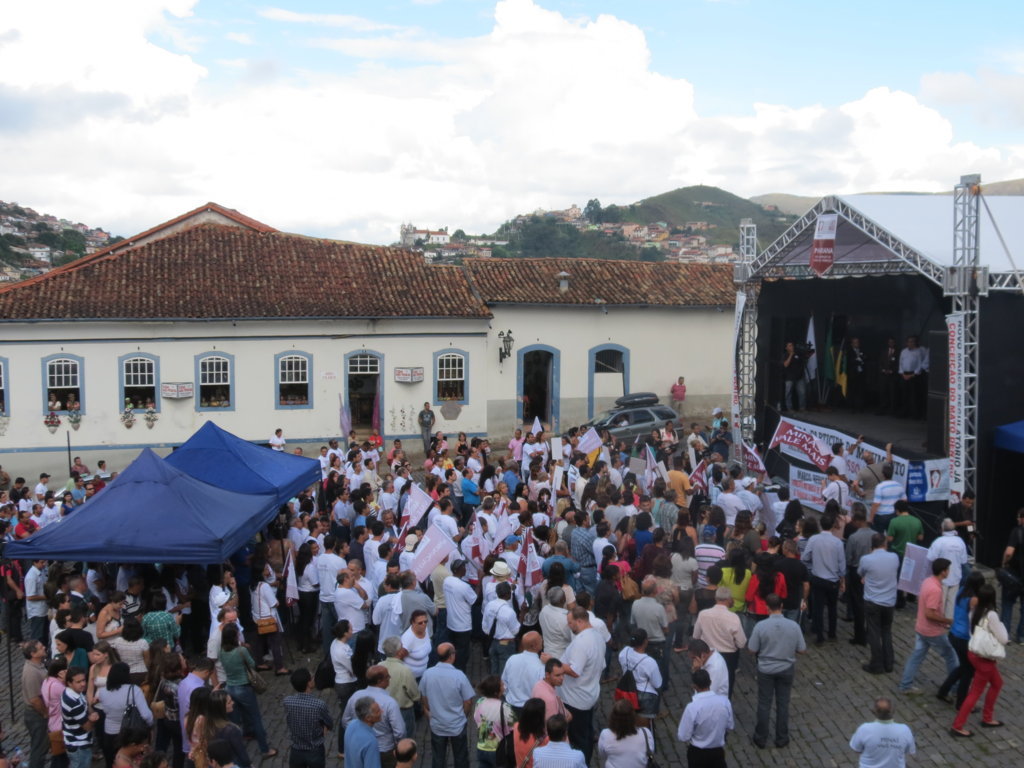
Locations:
{"points": [[831, 697]]}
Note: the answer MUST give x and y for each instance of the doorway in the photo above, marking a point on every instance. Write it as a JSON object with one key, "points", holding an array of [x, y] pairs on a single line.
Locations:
{"points": [[363, 389], [538, 385]]}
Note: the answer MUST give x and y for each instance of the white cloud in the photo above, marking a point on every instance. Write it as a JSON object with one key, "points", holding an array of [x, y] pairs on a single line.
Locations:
{"points": [[543, 111], [242, 38], [355, 23]]}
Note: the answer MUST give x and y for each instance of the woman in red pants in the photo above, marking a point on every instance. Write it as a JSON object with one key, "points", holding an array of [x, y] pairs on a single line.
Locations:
{"points": [[986, 670]]}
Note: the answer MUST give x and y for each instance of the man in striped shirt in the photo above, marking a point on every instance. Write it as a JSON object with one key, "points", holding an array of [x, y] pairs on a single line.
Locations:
{"points": [[887, 493], [78, 722]]}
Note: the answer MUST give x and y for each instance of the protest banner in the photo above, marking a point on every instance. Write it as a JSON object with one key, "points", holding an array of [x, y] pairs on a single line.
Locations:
{"points": [[915, 569], [826, 438], [417, 505], [589, 442], [433, 548]]}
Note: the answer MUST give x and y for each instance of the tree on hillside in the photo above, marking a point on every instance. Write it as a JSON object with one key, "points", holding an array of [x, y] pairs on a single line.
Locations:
{"points": [[459, 236], [612, 214], [592, 212]]}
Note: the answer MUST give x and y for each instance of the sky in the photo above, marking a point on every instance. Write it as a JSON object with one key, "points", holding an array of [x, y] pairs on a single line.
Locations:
{"points": [[346, 118]]}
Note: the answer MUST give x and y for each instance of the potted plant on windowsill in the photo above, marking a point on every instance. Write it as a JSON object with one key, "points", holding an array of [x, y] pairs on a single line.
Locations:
{"points": [[75, 418], [150, 417], [128, 415], [52, 421]]}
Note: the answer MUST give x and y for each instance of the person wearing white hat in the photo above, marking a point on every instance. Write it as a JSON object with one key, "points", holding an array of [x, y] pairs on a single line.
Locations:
{"points": [[409, 552], [501, 624]]}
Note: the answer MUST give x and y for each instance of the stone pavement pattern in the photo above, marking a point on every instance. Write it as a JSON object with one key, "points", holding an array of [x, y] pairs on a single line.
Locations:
{"points": [[831, 697]]}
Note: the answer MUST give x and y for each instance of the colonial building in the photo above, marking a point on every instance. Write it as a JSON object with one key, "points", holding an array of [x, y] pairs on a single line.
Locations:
{"points": [[214, 315]]}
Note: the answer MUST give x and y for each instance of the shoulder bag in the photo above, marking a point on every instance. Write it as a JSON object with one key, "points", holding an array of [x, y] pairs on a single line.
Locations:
{"points": [[651, 762], [985, 644], [256, 680], [505, 755], [132, 719], [268, 624]]}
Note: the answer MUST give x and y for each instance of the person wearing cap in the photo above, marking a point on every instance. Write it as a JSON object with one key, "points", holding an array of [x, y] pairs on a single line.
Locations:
{"points": [[408, 553], [500, 572], [747, 493], [501, 624]]}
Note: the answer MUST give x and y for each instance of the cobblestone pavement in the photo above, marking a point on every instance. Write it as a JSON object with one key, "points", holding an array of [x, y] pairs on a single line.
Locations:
{"points": [[831, 697]]}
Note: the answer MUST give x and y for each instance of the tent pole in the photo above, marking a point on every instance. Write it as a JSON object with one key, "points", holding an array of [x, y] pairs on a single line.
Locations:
{"points": [[10, 676], [69, 453]]}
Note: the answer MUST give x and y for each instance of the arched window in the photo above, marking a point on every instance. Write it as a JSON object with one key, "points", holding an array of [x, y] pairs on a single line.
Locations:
{"points": [[293, 380], [450, 377], [215, 377], [138, 382], [64, 383]]}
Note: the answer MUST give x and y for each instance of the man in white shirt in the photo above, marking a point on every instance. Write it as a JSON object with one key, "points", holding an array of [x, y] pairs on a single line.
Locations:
{"points": [[328, 565], [554, 625], [583, 662], [704, 723], [50, 512], [729, 501], [950, 546], [558, 753], [523, 670], [277, 442], [446, 521], [501, 623], [834, 486], [459, 598], [41, 487], [711, 661], [35, 602], [387, 613], [325, 462], [388, 497]]}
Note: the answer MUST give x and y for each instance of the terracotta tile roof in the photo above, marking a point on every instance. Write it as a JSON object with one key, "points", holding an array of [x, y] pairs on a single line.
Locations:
{"points": [[535, 281], [176, 224], [225, 271]]}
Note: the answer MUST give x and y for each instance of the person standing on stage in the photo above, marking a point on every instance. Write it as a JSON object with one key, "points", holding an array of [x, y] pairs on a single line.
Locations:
{"points": [[794, 363], [856, 375], [889, 367], [913, 376]]}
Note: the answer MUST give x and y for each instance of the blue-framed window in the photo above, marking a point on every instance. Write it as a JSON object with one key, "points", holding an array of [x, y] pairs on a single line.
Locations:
{"points": [[609, 362], [139, 377], [451, 377], [294, 372], [215, 382], [5, 389], [63, 383]]}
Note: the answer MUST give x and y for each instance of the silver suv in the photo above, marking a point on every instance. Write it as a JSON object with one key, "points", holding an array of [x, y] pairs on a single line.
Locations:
{"points": [[633, 415]]}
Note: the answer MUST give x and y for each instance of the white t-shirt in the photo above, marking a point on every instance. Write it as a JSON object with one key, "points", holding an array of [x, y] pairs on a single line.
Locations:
{"points": [[447, 524], [349, 605], [459, 598], [276, 443], [387, 615], [34, 583], [585, 655], [328, 565], [419, 652]]}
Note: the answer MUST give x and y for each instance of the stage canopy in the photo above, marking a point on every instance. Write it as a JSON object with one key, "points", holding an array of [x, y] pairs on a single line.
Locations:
{"points": [[153, 513], [221, 459], [1011, 437]]}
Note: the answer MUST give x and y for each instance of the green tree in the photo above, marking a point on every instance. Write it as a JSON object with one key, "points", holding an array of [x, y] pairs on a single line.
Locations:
{"points": [[650, 253], [459, 236], [612, 214], [73, 240], [592, 212]]}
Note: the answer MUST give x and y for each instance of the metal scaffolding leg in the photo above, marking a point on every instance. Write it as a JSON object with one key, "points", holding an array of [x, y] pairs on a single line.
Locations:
{"points": [[746, 364], [962, 288]]}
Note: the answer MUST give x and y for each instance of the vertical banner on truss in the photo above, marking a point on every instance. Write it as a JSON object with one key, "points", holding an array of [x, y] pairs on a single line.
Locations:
{"points": [[956, 412], [823, 247], [737, 426]]}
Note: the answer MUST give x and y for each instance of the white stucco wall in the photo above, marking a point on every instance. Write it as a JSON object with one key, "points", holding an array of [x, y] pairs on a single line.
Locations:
{"points": [[662, 344]]}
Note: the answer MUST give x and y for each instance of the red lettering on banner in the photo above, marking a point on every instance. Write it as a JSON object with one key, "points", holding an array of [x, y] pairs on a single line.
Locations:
{"points": [[802, 441]]}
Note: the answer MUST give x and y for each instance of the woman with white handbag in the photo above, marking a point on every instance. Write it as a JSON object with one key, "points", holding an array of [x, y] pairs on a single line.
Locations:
{"points": [[986, 647]]}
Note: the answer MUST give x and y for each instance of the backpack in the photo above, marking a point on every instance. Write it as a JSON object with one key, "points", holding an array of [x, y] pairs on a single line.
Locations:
{"points": [[323, 677], [626, 688]]}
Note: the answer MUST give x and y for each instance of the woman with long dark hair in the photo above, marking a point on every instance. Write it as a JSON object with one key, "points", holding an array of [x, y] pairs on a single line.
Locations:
{"points": [[986, 670], [168, 728], [622, 744], [736, 576], [766, 579], [960, 636], [787, 529], [114, 699], [236, 660], [530, 732], [364, 655], [308, 583]]}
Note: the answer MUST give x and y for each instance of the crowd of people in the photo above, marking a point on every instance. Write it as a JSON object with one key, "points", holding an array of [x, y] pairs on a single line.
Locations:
{"points": [[570, 573]]}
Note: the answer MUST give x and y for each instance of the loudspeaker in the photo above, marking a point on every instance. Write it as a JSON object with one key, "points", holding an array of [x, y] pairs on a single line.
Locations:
{"points": [[937, 436]]}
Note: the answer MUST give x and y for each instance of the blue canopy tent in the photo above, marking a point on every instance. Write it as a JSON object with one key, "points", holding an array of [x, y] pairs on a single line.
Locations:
{"points": [[226, 461], [154, 513], [1010, 437]]}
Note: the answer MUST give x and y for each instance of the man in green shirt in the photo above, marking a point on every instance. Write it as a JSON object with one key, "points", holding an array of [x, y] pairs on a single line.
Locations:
{"points": [[159, 623], [904, 529]]}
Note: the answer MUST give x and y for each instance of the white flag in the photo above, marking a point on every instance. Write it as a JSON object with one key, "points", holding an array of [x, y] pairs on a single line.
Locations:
{"points": [[419, 502], [537, 428], [811, 366], [590, 442], [434, 548]]}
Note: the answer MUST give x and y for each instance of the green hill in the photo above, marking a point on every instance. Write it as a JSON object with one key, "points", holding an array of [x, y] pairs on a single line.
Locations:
{"points": [[713, 205]]}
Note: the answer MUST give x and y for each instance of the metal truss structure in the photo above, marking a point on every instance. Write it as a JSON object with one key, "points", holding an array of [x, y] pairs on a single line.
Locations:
{"points": [[964, 283], [961, 286], [746, 354]]}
